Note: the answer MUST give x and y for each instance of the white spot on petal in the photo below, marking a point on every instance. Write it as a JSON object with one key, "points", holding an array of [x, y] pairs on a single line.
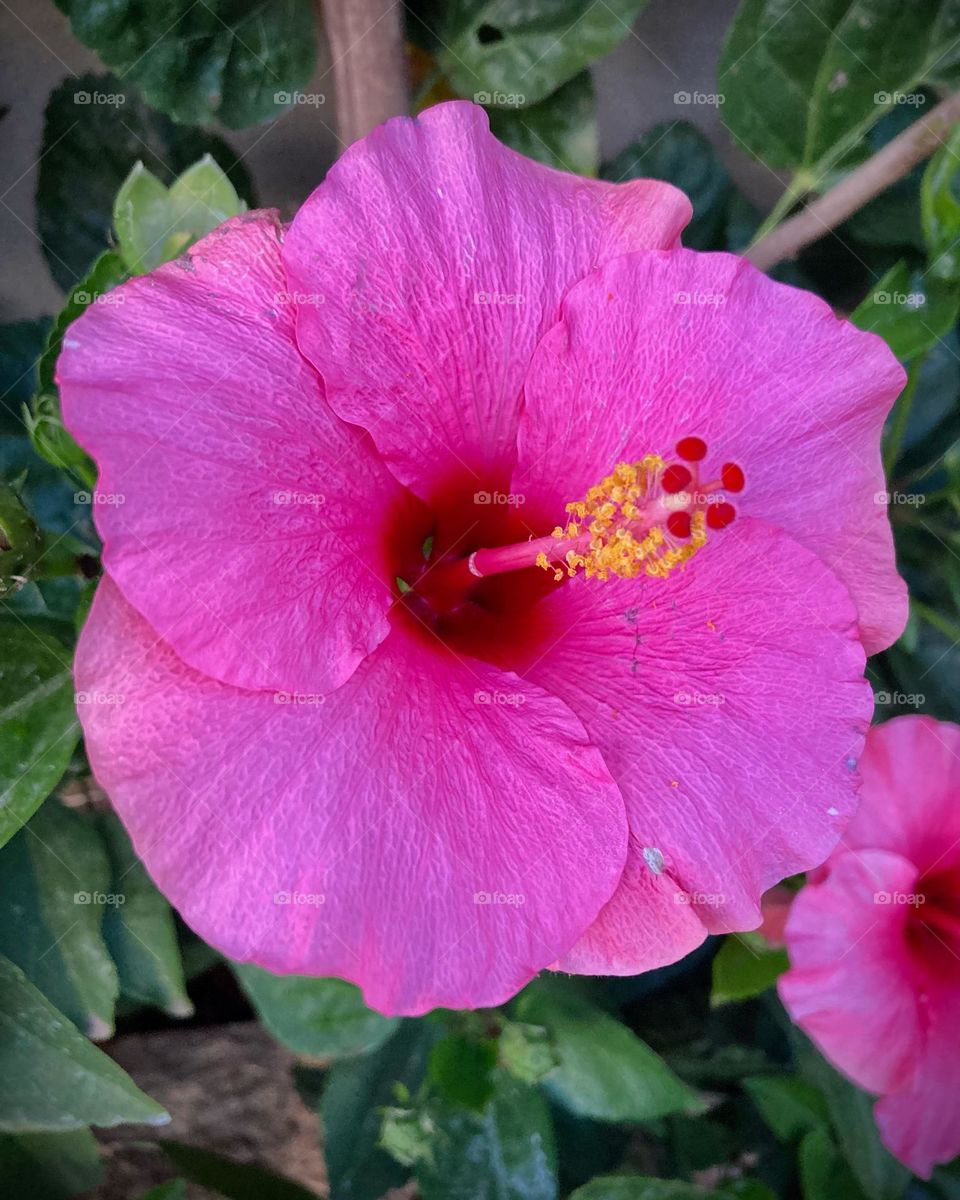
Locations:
{"points": [[654, 859]]}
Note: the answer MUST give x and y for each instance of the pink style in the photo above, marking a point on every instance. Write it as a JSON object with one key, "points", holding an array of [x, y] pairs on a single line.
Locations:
{"points": [[348, 450]]}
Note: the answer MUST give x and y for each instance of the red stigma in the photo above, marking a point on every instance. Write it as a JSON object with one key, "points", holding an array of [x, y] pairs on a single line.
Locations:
{"points": [[719, 516], [692, 449], [678, 524], [674, 479], [731, 477]]}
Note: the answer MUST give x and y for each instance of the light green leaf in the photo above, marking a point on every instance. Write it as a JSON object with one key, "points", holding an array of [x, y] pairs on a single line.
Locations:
{"points": [[910, 310], [54, 890], [317, 1017], [789, 1106], [940, 209], [49, 1166], [53, 1079], [235, 1181], [38, 723], [560, 131], [744, 967], [803, 83], [605, 1071], [175, 1189], [214, 61], [506, 1152], [140, 932], [155, 224], [502, 48]]}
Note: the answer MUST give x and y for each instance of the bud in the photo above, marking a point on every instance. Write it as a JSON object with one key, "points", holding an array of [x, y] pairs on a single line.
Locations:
{"points": [[406, 1135], [52, 441], [526, 1051]]}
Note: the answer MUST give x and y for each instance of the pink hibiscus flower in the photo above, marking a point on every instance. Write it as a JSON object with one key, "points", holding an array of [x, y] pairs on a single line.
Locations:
{"points": [[364, 734], [874, 944]]}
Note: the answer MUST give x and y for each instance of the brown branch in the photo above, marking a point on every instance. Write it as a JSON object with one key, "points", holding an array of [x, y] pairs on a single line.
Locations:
{"points": [[368, 62], [897, 158]]}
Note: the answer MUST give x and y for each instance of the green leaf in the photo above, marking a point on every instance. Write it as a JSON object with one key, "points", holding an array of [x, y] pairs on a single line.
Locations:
{"points": [[462, 1068], [214, 61], [789, 1106], [501, 48], [54, 890], [317, 1017], [526, 1051], [356, 1089], [51, 1077], [637, 1187], [910, 310], [504, 1153], [88, 152], [175, 1189], [823, 1173], [155, 224], [940, 209], [236, 1181], [140, 932], [38, 723], [804, 83], [678, 153], [744, 967], [605, 1071], [877, 1172], [49, 1166], [560, 131]]}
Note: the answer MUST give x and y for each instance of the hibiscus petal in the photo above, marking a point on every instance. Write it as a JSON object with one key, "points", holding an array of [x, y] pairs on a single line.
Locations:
{"points": [[228, 498], [729, 704], [450, 844], [920, 1123], [656, 346], [441, 257], [850, 983], [916, 757]]}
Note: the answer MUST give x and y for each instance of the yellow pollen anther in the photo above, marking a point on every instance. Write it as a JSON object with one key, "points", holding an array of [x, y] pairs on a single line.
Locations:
{"points": [[620, 527]]}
